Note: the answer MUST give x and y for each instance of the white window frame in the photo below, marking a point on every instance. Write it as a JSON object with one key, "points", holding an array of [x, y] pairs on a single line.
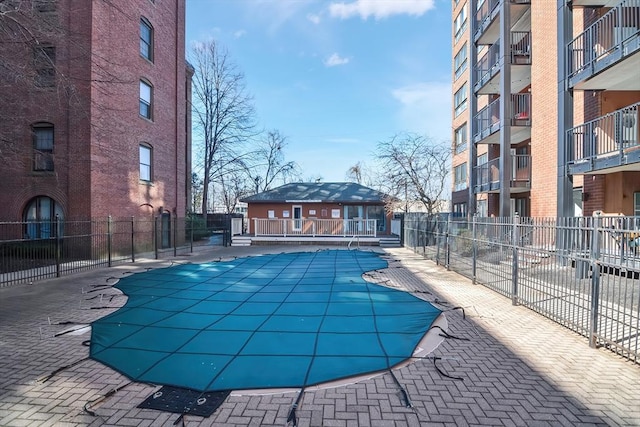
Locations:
{"points": [[460, 61], [146, 100], [461, 138], [460, 23], [145, 153], [460, 100], [146, 39], [460, 177]]}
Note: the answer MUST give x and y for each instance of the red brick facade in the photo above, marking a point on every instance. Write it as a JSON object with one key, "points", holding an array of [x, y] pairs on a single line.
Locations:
{"points": [[94, 110]]}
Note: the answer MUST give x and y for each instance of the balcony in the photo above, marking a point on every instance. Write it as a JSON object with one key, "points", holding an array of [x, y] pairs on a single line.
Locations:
{"points": [[594, 3], [488, 123], [488, 175], [606, 56], [607, 144], [488, 67], [487, 28]]}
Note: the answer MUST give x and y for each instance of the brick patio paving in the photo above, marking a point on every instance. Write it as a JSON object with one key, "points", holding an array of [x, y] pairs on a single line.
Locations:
{"points": [[518, 368]]}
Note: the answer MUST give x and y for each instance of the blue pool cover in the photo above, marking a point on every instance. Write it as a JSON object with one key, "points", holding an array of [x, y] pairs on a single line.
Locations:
{"points": [[270, 321]]}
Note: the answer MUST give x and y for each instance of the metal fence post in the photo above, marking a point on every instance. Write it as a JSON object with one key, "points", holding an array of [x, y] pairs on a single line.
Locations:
{"points": [[191, 222], [109, 241], [175, 235], [514, 264], [448, 244], [474, 256], [57, 237], [155, 236], [438, 238], [133, 244], [595, 281]]}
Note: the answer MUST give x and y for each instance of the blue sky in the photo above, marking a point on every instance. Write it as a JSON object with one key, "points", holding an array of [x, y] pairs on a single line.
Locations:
{"points": [[336, 77]]}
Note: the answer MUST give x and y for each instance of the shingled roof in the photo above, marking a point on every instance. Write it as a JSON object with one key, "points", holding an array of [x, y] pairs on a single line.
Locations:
{"points": [[318, 192]]}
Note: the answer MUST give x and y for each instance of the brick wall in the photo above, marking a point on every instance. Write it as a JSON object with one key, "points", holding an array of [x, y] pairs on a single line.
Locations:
{"points": [[94, 109], [544, 99]]}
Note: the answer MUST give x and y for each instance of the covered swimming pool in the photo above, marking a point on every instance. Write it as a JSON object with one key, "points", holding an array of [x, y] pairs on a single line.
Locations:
{"points": [[289, 320]]}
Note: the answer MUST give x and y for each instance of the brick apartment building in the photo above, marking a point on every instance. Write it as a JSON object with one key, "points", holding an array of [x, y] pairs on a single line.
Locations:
{"points": [[546, 100], [94, 115]]}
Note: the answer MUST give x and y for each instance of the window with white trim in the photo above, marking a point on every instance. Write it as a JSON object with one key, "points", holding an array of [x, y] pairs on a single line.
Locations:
{"points": [[460, 177], [460, 61], [146, 39], [146, 156], [461, 139], [146, 100], [460, 23], [460, 100]]}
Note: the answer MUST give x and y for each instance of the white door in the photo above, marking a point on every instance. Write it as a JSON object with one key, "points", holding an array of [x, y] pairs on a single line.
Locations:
{"points": [[297, 218]]}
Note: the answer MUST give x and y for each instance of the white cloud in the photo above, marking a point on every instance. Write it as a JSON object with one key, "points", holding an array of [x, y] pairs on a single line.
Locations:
{"points": [[425, 108], [239, 33], [314, 18], [380, 8], [335, 60]]}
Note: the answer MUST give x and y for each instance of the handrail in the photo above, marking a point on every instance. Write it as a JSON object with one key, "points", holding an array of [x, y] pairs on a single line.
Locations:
{"points": [[611, 133], [603, 36]]}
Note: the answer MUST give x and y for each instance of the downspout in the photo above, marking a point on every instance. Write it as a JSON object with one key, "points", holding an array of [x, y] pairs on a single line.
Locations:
{"points": [[177, 115]]}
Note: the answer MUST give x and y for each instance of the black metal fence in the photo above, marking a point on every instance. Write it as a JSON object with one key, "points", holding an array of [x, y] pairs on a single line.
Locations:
{"points": [[582, 272], [36, 250]]}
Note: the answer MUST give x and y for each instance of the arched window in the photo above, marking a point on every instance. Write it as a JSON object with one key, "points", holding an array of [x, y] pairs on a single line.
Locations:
{"points": [[40, 218]]}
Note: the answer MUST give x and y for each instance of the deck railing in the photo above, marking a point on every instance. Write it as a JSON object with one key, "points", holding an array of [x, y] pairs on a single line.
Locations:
{"points": [[610, 134], [314, 227], [488, 174], [604, 36]]}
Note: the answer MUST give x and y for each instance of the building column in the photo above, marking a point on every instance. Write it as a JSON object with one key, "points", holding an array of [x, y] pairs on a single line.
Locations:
{"points": [[505, 109], [472, 57], [565, 111]]}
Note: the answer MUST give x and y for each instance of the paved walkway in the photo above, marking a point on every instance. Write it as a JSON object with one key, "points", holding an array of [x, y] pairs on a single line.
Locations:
{"points": [[517, 367]]}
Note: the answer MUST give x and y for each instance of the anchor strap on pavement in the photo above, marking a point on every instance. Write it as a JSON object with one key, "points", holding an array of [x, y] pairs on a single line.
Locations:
{"points": [[102, 398], [46, 378], [292, 419]]}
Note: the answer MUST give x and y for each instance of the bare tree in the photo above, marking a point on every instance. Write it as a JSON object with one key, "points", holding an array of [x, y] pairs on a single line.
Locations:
{"points": [[268, 166], [223, 115], [415, 169], [354, 173], [31, 33]]}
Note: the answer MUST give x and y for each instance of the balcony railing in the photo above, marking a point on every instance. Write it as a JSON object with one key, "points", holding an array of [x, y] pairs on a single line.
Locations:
{"points": [[520, 47], [487, 63], [488, 174], [488, 119], [484, 12], [608, 135], [314, 227], [521, 109], [487, 10], [605, 37]]}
